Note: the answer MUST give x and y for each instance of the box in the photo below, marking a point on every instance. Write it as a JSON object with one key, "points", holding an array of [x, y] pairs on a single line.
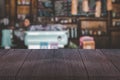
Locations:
{"points": [[88, 45]]}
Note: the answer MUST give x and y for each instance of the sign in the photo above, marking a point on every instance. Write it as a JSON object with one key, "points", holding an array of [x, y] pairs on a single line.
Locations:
{"points": [[43, 45]]}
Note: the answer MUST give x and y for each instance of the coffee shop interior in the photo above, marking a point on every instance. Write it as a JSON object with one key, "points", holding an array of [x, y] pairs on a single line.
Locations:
{"points": [[53, 24]]}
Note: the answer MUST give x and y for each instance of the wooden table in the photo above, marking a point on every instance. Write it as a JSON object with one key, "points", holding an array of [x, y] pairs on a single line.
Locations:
{"points": [[62, 64]]}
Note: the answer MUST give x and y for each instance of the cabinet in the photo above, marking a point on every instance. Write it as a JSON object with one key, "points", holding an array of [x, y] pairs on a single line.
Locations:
{"points": [[23, 9], [94, 28], [115, 25], [116, 15], [97, 27], [115, 41]]}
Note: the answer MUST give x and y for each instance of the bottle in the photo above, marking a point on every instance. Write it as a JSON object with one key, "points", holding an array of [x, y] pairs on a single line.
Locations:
{"points": [[68, 33], [114, 23], [114, 14], [86, 31], [90, 32], [83, 32], [70, 20], [99, 32], [75, 32], [72, 32]]}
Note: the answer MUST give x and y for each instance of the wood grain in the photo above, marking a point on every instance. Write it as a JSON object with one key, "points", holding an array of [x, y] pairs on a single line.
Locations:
{"points": [[11, 63], [113, 56], [3, 52], [38, 66], [69, 65], [61, 64], [98, 66]]}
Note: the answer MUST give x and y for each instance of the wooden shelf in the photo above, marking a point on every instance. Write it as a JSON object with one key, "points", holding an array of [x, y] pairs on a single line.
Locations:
{"points": [[46, 9], [116, 18], [115, 28], [116, 3], [47, 22], [23, 4], [106, 35], [72, 16], [67, 23], [93, 19]]}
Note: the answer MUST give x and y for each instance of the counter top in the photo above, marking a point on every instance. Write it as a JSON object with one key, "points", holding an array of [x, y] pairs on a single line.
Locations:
{"points": [[61, 64]]}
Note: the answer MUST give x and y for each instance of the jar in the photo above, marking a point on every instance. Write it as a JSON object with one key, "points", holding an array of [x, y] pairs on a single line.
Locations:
{"points": [[99, 32]]}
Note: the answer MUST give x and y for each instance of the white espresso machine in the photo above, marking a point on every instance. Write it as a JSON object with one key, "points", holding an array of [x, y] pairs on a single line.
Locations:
{"points": [[46, 39]]}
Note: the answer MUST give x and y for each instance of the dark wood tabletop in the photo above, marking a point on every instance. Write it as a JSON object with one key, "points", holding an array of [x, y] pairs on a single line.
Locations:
{"points": [[61, 64]]}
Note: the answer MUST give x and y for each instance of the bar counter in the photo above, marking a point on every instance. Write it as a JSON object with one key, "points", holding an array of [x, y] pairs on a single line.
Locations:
{"points": [[61, 64]]}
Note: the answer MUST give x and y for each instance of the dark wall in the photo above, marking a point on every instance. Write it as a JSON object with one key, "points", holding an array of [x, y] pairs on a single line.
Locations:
{"points": [[115, 35], [2, 8]]}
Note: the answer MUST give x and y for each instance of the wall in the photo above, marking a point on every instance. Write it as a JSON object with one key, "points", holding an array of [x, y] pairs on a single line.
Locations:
{"points": [[12, 11], [115, 39], [2, 8]]}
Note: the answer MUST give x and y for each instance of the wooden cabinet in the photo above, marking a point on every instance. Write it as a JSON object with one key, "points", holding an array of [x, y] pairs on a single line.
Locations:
{"points": [[115, 40], [116, 15], [115, 25], [98, 29], [102, 42], [94, 28]]}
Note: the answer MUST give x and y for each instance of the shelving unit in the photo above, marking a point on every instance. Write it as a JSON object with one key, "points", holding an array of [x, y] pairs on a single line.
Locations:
{"points": [[61, 7], [116, 14], [115, 25], [45, 11], [96, 27], [62, 15], [59, 14], [93, 19], [72, 25], [45, 8], [93, 28], [23, 9]]}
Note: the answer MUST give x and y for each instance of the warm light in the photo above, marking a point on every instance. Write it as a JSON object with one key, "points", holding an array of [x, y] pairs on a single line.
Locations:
{"points": [[85, 5], [109, 5], [74, 7], [98, 8]]}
